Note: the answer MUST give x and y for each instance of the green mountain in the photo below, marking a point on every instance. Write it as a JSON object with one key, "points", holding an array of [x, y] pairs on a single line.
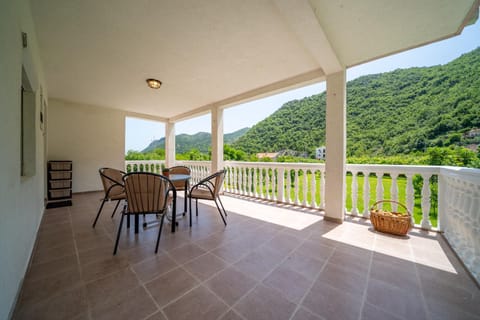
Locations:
{"points": [[200, 140], [392, 113]]}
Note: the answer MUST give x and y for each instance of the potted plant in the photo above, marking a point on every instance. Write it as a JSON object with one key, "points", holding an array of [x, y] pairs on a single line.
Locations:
{"points": [[166, 172]]}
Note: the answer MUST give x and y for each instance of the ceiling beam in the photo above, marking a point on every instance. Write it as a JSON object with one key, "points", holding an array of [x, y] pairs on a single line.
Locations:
{"points": [[258, 93]]}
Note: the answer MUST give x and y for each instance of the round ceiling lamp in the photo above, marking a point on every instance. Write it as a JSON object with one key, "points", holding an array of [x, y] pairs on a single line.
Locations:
{"points": [[154, 83]]}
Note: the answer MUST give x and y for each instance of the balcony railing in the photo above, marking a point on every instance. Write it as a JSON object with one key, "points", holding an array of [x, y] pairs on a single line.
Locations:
{"points": [[445, 199]]}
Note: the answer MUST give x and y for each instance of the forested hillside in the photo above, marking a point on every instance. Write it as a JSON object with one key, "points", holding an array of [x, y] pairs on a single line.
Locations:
{"points": [[393, 113], [200, 141]]}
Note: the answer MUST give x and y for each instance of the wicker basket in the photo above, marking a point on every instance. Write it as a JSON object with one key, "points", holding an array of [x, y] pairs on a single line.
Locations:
{"points": [[391, 222]]}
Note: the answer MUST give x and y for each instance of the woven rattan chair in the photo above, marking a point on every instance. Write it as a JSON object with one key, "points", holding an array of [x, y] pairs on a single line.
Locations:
{"points": [[181, 185], [112, 180], [209, 189], [147, 193]]}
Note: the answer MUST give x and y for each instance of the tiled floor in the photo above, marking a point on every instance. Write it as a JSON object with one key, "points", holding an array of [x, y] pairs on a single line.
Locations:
{"points": [[268, 263]]}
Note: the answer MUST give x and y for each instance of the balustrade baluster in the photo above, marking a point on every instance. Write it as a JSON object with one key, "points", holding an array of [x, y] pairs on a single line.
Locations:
{"points": [[379, 188], [260, 182], [305, 188], [296, 187], [394, 191], [313, 184], [366, 194], [289, 186], [410, 194], [426, 202], [274, 184], [354, 210], [280, 184], [267, 180]]}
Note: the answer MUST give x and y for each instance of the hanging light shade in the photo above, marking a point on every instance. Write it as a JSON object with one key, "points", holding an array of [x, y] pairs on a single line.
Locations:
{"points": [[154, 83]]}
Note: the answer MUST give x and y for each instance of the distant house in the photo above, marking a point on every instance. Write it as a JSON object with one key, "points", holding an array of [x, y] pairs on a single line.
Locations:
{"points": [[473, 133], [271, 155], [320, 153]]}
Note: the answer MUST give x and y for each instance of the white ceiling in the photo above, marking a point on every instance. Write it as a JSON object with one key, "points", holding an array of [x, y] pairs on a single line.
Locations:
{"points": [[221, 52]]}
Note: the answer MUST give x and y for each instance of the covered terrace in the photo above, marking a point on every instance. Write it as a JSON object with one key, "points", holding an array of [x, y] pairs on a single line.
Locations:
{"points": [[71, 71]]}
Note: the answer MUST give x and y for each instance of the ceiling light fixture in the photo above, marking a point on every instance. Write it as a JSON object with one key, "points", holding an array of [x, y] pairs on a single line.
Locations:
{"points": [[154, 83]]}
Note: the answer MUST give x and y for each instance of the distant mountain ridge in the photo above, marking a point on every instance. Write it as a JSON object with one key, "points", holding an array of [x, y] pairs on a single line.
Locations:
{"points": [[200, 140], [392, 113]]}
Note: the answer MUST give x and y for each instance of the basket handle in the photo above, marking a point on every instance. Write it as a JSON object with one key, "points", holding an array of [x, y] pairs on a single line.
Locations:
{"points": [[392, 201]]}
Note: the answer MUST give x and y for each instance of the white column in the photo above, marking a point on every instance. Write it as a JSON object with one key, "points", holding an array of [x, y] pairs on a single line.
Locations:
{"points": [[217, 139], [169, 144], [336, 147]]}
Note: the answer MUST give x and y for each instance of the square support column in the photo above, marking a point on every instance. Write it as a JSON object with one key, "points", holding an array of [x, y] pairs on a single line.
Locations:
{"points": [[169, 144], [217, 139], [335, 147]]}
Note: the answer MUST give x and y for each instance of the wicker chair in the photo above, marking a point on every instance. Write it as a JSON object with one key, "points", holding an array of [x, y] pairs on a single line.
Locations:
{"points": [[209, 189], [180, 185], [147, 193], [112, 180]]}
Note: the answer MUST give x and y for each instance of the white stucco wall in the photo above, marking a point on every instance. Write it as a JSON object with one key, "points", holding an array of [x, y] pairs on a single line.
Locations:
{"points": [[21, 198], [92, 137]]}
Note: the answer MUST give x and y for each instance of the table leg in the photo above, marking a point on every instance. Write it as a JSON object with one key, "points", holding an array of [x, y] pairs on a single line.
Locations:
{"points": [[174, 211], [136, 222]]}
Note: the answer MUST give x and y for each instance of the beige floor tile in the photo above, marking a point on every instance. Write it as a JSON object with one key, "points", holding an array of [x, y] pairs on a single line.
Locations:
{"points": [[186, 253], [65, 305], [265, 304], [170, 286], [331, 303], [260, 262], [135, 304], [102, 268], [231, 315], [231, 285], [154, 266], [371, 312], [198, 304], [112, 288], [288, 283], [205, 266], [402, 303], [304, 314], [304, 264]]}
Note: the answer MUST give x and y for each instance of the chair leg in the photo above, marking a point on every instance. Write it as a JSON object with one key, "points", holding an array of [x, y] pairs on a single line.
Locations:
{"points": [[98, 214], [190, 198], [115, 210], [159, 233], [185, 202], [196, 207], [220, 211], [224, 211], [118, 234]]}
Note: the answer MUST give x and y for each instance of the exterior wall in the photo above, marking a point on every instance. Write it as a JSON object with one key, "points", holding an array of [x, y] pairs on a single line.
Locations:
{"points": [[92, 137], [21, 198]]}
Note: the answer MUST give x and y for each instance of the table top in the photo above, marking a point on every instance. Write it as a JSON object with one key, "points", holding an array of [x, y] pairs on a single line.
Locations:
{"points": [[178, 177]]}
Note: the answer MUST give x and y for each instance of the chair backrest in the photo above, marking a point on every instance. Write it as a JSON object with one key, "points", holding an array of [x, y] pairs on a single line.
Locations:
{"points": [[179, 185], [146, 192], [215, 180], [112, 180]]}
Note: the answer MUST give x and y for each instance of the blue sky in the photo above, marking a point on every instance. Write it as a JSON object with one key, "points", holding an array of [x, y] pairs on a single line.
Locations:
{"points": [[139, 133]]}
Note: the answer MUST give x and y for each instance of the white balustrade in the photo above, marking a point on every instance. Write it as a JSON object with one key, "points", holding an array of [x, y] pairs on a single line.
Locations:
{"points": [[459, 213], [154, 166], [303, 183]]}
